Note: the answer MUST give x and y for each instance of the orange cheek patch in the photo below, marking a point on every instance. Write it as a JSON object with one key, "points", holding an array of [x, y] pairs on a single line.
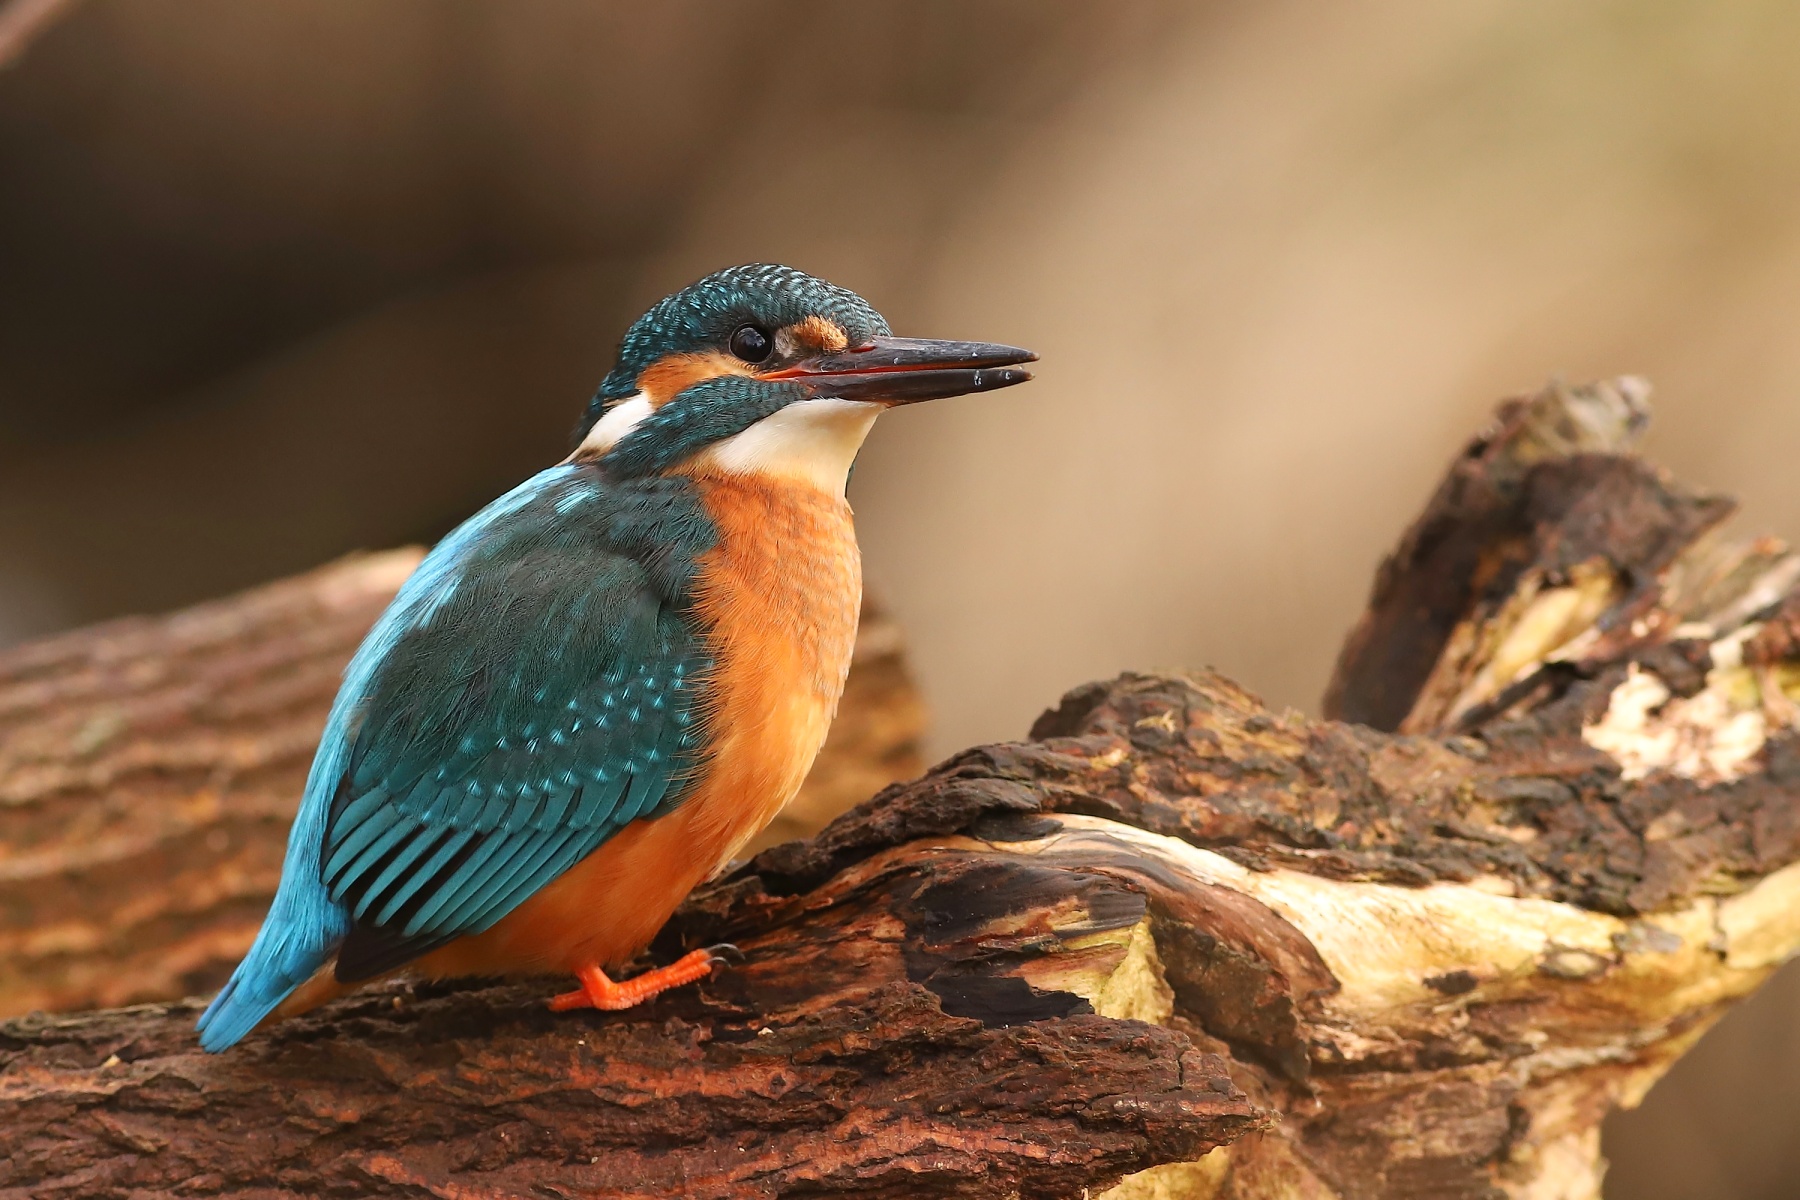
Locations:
{"points": [[821, 333], [668, 377]]}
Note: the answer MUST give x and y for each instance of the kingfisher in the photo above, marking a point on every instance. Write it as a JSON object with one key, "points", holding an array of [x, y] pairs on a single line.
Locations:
{"points": [[590, 695]]}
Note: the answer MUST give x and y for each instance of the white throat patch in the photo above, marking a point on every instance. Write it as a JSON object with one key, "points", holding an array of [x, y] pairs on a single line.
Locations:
{"points": [[808, 441]]}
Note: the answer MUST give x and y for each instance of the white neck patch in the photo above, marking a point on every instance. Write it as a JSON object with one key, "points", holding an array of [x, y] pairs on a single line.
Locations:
{"points": [[808, 441], [619, 420]]}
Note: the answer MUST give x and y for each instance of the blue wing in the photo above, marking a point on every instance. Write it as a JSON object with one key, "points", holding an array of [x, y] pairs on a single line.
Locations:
{"points": [[532, 690]]}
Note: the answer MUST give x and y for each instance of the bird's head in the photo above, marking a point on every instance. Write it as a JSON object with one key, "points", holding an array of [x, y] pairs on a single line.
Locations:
{"points": [[765, 369]]}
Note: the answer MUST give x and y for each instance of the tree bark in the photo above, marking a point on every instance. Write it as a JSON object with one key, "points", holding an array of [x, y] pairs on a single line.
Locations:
{"points": [[1171, 936]]}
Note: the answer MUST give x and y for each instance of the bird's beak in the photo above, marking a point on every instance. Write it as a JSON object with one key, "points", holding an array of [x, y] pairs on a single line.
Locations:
{"points": [[894, 371]]}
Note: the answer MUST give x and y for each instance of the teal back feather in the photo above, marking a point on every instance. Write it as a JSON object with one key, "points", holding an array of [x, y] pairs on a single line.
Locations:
{"points": [[534, 687]]}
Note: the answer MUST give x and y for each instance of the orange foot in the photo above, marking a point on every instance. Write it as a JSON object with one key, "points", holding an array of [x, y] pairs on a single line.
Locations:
{"points": [[597, 991]]}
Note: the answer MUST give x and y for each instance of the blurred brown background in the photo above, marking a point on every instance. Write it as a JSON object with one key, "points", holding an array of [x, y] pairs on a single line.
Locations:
{"points": [[283, 279]]}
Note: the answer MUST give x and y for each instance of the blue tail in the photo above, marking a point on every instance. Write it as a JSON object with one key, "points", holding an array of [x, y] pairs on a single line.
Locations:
{"points": [[304, 926], [302, 929], [269, 973]]}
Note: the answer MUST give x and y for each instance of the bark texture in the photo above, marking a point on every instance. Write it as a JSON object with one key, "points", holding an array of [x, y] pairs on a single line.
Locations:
{"points": [[1172, 941], [149, 769]]}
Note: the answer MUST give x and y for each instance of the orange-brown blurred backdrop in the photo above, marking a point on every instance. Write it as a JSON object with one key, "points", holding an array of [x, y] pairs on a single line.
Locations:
{"points": [[286, 278]]}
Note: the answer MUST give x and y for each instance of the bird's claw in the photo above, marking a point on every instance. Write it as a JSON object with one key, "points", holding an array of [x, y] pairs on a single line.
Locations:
{"points": [[725, 952]]}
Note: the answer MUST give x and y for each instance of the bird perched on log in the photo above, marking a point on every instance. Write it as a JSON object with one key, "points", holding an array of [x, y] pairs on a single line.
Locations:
{"points": [[598, 688]]}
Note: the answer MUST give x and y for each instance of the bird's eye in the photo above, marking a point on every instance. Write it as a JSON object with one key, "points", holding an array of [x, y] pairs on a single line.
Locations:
{"points": [[751, 344]]}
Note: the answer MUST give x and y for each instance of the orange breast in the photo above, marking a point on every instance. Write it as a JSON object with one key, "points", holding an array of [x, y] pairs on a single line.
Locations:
{"points": [[780, 593]]}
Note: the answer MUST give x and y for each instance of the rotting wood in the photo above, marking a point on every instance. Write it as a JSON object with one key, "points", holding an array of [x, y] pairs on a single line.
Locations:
{"points": [[149, 769], [1361, 964]]}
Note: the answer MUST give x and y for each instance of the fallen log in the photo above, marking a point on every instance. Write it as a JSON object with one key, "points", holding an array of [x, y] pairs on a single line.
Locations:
{"points": [[1172, 940]]}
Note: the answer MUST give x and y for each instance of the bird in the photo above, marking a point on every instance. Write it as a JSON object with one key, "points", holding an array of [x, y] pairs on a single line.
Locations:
{"points": [[589, 696]]}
